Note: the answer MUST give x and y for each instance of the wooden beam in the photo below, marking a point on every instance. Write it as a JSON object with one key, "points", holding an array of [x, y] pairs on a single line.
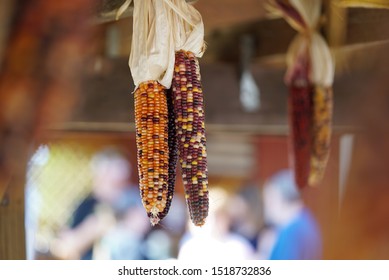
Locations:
{"points": [[336, 24], [377, 4], [212, 128]]}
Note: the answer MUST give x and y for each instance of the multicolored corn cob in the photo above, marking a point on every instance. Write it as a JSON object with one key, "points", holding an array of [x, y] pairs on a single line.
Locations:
{"points": [[190, 131], [300, 118], [321, 133], [151, 121]]}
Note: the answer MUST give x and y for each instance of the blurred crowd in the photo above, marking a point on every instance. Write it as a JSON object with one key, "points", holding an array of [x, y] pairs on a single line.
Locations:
{"points": [[254, 223]]}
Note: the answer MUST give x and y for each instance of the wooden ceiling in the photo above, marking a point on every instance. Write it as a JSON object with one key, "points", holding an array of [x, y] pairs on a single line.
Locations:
{"points": [[226, 21], [358, 38]]}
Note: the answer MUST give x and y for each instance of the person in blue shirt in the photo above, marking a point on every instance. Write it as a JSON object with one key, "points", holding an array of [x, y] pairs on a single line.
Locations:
{"points": [[297, 235]]}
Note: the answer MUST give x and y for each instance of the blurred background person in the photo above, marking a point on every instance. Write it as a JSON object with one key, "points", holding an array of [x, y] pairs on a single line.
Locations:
{"points": [[215, 240], [159, 245], [246, 213], [126, 239], [294, 232], [96, 214]]}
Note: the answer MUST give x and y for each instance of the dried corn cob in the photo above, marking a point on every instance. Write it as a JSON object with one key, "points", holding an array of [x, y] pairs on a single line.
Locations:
{"points": [[300, 117], [321, 133], [300, 112], [190, 130], [173, 153], [151, 121]]}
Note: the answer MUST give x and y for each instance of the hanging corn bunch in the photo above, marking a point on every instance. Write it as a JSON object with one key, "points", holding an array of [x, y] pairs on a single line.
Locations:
{"points": [[309, 78], [169, 121]]}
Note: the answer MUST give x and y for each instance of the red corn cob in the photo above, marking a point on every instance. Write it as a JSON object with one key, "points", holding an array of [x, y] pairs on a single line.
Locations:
{"points": [[300, 118]]}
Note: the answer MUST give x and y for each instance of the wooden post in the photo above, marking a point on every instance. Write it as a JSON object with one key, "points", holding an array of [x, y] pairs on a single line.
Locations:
{"points": [[336, 24], [12, 233], [12, 240]]}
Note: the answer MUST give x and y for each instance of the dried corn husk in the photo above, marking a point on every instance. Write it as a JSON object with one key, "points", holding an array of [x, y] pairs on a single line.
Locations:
{"points": [[187, 27], [152, 48], [304, 17]]}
